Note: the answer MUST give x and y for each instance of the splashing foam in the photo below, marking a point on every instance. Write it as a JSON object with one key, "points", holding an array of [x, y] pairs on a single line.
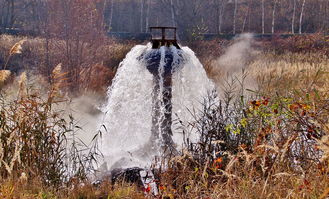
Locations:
{"points": [[128, 112]]}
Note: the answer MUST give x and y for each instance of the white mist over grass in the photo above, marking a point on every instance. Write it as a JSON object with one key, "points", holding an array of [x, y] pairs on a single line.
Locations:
{"points": [[128, 112], [237, 55], [233, 64]]}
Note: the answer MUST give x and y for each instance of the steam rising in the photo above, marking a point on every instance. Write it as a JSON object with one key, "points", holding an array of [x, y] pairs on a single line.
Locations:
{"points": [[233, 63]]}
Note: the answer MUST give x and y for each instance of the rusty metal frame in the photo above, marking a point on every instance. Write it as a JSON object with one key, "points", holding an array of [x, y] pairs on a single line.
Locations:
{"points": [[163, 41]]}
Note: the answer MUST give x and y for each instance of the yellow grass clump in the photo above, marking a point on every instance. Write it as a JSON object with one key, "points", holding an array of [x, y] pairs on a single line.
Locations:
{"points": [[4, 75], [17, 47], [58, 80], [290, 70]]}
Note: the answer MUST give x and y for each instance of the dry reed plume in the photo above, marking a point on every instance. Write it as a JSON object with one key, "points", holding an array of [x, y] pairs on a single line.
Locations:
{"points": [[15, 49], [4, 76]]}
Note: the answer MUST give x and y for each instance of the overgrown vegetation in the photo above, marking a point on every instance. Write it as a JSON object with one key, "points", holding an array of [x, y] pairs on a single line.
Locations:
{"points": [[269, 142], [266, 143], [37, 143], [270, 147], [40, 56]]}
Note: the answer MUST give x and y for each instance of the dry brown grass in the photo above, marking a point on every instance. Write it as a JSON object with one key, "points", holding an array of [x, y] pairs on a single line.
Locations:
{"points": [[242, 178], [289, 109], [37, 142], [36, 190], [81, 65], [288, 71], [292, 95]]}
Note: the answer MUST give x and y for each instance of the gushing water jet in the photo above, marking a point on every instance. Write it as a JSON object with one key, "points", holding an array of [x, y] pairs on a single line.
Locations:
{"points": [[161, 62], [153, 82]]}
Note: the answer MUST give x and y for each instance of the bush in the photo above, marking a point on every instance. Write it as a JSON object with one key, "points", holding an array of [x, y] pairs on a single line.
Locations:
{"points": [[263, 146], [91, 67], [310, 43]]}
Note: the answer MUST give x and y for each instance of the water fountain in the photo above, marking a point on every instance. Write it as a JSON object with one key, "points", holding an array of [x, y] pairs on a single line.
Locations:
{"points": [[162, 61], [155, 84]]}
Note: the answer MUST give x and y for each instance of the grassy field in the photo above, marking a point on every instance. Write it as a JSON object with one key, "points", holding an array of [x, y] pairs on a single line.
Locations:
{"points": [[268, 138]]}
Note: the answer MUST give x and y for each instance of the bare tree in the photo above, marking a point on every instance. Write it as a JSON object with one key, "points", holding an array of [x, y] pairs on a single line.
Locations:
{"points": [[172, 8], [263, 17], [147, 15], [78, 27], [273, 15], [142, 16], [293, 18], [221, 10], [245, 18], [111, 15], [301, 17], [190, 16], [7, 14], [234, 15]]}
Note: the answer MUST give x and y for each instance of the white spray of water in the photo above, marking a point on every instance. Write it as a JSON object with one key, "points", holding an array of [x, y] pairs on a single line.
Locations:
{"points": [[190, 86], [235, 60], [128, 112]]}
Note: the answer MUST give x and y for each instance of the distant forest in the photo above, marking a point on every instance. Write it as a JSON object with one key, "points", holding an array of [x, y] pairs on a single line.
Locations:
{"points": [[192, 17]]}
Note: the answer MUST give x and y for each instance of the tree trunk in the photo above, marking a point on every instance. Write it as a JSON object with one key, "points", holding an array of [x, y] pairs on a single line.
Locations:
{"points": [[6, 18], [216, 3], [220, 15], [245, 18], [105, 5], [147, 15], [263, 17], [111, 15], [234, 15], [47, 44], [301, 17], [173, 20], [293, 19], [12, 14], [273, 16], [142, 15]]}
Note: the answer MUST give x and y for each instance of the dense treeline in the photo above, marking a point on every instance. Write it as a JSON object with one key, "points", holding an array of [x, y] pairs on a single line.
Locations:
{"points": [[192, 17]]}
